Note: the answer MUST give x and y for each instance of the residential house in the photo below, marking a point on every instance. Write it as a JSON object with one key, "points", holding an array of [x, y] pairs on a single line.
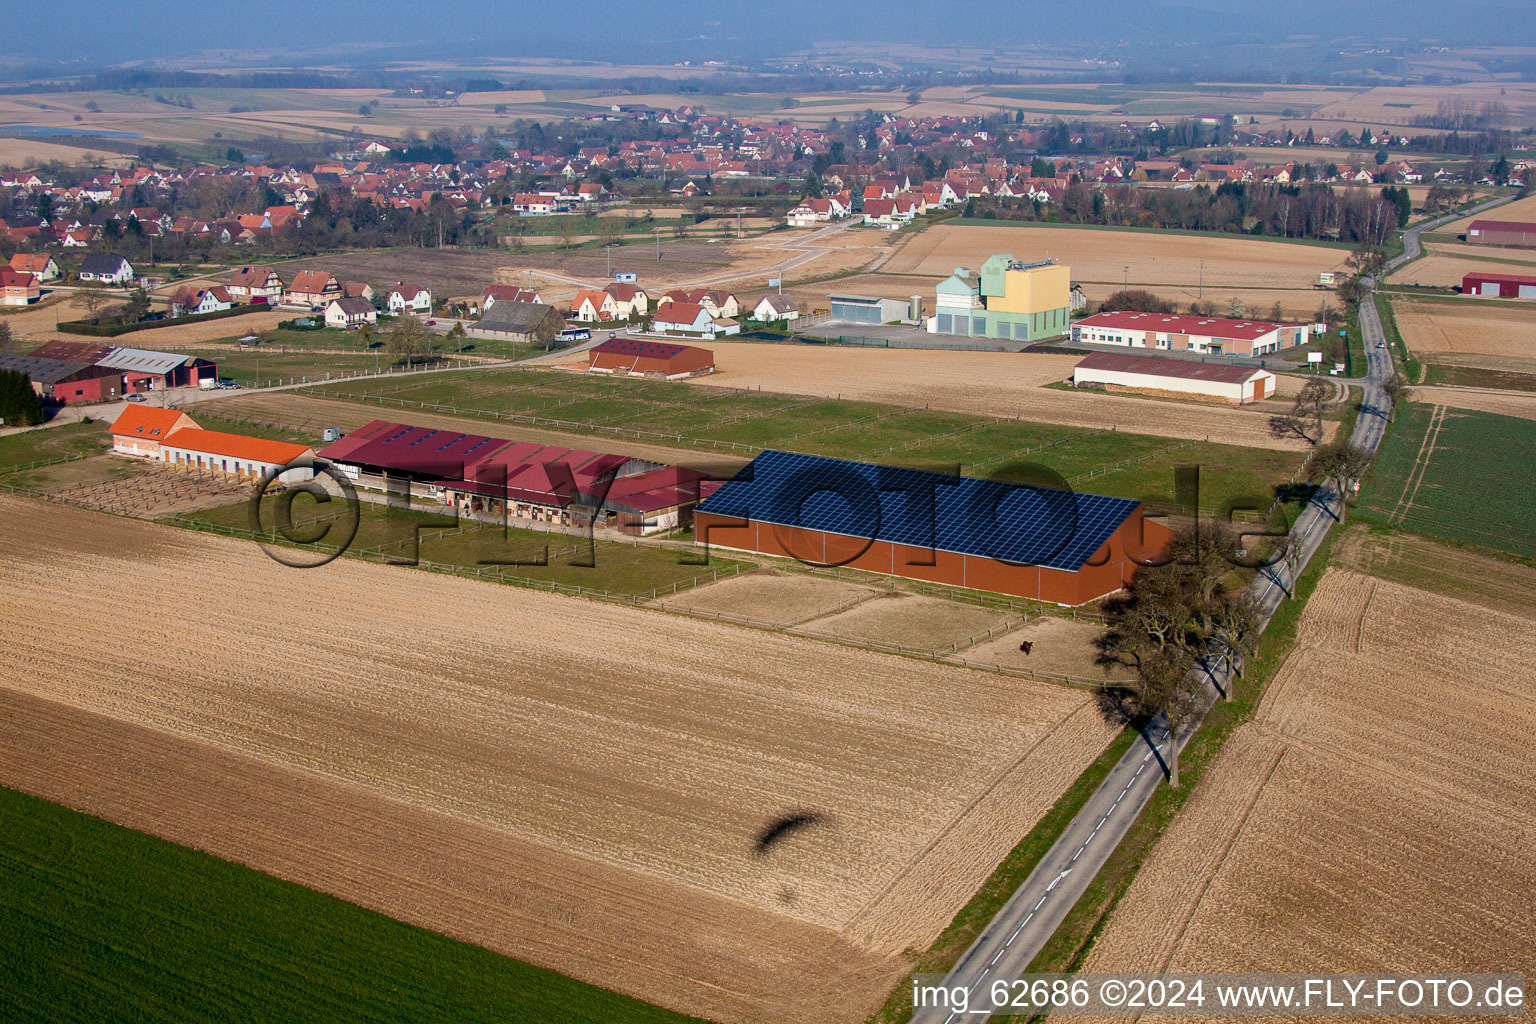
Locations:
{"points": [[775, 307], [589, 306], [683, 318], [190, 301], [357, 290], [507, 293], [403, 298], [350, 311], [629, 300], [17, 288], [255, 285], [313, 288], [107, 268], [39, 265]]}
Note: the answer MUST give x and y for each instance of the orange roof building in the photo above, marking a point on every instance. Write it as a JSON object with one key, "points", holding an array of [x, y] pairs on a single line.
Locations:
{"points": [[234, 454], [141, 430]]}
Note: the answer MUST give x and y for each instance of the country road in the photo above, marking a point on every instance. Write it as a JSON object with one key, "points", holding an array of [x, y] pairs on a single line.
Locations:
{"points": [[1018, 932]]}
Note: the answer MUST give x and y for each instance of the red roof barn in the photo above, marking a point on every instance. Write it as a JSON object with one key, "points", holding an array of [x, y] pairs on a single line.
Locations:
{"points": [[1501, 286], [650, 358]]}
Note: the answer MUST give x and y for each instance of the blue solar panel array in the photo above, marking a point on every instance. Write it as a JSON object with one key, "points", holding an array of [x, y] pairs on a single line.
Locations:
{"points": [[1008, 522]]}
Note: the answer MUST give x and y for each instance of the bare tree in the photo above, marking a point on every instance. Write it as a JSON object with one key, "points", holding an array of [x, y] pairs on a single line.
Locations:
{"points": [[1399, 392], [1236, 625], [407, 339], [1167, 686], [1305, 419], [1341, 464], [93, 297]]}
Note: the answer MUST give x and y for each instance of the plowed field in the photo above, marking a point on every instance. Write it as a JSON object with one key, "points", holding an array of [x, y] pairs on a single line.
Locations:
{"points": [[577, 784], [1376, 815]]}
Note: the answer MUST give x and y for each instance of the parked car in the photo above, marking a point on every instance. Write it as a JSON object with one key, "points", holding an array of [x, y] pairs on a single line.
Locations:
{"points": [[137, 398]]}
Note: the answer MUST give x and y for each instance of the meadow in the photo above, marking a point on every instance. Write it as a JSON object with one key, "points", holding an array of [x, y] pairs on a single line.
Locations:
{"points": [[100, 922], [1446, 473]]}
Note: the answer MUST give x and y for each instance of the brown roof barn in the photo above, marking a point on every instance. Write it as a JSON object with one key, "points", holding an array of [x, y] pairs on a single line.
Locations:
{"points": [[650, 358]]}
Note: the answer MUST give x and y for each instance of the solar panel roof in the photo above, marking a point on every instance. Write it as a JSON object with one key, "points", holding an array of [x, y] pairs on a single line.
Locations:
{"points": [[1024, 525]]}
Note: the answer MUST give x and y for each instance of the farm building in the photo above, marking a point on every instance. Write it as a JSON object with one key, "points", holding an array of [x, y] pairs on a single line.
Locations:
{"points": [[1220, 382], [867, 309], [140, 430], [234, 454], [64, 382], [520, 480], [1172, 333], [517, 321], [1502, 232], [141, 369], [1501, 286], [1009, 299], [621, 356], [1031, 542]]}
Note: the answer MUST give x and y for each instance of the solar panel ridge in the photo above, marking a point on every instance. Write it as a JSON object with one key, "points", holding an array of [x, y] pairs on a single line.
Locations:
{"points": [[1019, 523]]}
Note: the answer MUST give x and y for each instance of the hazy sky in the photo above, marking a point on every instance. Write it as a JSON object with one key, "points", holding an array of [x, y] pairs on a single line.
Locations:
{"points": [[112, 30]]}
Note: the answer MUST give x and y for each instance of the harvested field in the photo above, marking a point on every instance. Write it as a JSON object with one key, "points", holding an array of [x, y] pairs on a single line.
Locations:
{"points": [[1373, 788], [1504, 404], [984, 383], [1431, 328], [1061, 646], [1440, 269], [770, 596], [911, 620], [1520, 209], [1430, 565], [1166, 263], [24, 153], [584, 799]]}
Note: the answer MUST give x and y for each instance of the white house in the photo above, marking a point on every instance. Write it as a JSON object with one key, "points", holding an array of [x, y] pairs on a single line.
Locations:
{"points": [[350, 311], [683, 317], [589, 306], [775, 307], [190, 301], [108, 268], [408, 298]]}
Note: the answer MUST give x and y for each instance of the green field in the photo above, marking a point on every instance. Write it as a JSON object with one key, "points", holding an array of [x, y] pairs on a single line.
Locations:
{"points": [[102, 923], [516, 556], [741, 423], [46, 443], [1457, 475]]}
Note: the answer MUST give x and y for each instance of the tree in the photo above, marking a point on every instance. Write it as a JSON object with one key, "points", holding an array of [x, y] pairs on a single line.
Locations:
{"points": [[7, 339], [458, 334], [407, 339], [19, 404], [1276, 314], [1167, 686], [1382, 156], [1237, 309], [1236, 626], [93, 297], [1136, 300], [1341, 464], [1399, 392], [1305, 419]]}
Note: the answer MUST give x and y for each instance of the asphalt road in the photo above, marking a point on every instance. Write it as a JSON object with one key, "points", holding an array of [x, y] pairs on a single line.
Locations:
{"points": [[1018, 932]]}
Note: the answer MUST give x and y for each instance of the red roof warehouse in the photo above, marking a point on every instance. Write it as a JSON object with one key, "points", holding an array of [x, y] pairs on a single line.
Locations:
{"points": [[1502, 286], [650, 358]]}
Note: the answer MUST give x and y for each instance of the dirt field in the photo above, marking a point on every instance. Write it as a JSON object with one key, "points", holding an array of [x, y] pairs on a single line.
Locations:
{"points": [[1386, 779], [911, 620], [1476, 328], [607, 765], [1520, 209], [26, 153], [1063, 646], [986, 383], [1431, 565], [1439, 269], [770, 595], [1163, 263], [1510, 403]]}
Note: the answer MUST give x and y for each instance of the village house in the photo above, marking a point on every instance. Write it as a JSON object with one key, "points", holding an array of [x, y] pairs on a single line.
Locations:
{"points": [[313, 288], [408, 298], [630, 301], [190, 301], [255, 285], [771, 308], [349, 312], [17, 288], [39, 265], [105, 268], [507, 293], [590, 306]]}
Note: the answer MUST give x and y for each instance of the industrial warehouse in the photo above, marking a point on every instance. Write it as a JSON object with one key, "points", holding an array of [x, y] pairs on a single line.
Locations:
{"points": [[1033, 542], [1499, 286], [1010, 299], [496, 477], [1216, 336]]}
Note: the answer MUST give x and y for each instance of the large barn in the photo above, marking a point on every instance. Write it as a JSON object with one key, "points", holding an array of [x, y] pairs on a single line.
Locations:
{"points": [[1032, 542], [1499, 286], [1501, 232], [1208, 335], [537, 483], [1220, 382], [623, 356]]}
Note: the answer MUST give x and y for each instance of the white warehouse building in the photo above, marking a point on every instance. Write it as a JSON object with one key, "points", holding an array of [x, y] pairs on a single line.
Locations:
{"points": [[1222, 382]]}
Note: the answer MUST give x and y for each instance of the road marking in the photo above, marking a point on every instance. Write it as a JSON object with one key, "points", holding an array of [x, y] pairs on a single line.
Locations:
{"points": [[1057, 882]]}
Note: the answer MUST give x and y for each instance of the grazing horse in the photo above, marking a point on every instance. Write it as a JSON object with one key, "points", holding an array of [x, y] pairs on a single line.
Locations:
{"points": [[1026, 647]]}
